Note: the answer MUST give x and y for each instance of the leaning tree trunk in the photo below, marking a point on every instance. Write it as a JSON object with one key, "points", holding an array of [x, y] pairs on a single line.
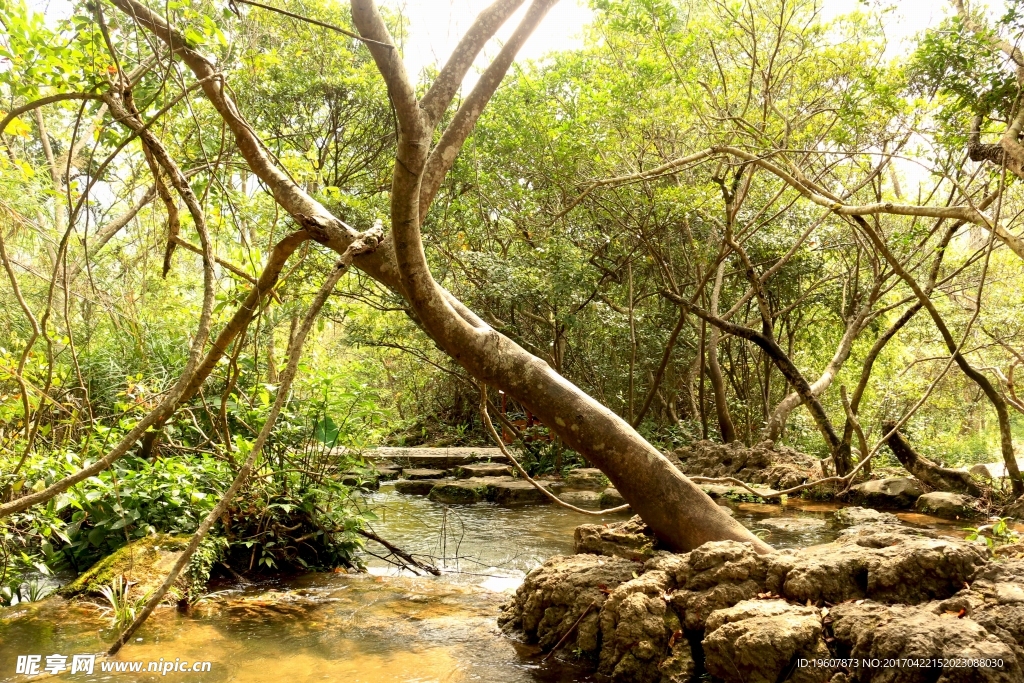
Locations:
{"points": [[937, 477], [677, 510]]}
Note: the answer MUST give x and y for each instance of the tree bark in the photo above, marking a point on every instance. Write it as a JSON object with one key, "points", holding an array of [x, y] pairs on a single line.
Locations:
{"points": [[725, 424], [933, 475]]}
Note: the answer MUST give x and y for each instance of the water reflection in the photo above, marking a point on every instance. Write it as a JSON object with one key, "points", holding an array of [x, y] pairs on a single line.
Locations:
{"points": [[381, 626]]}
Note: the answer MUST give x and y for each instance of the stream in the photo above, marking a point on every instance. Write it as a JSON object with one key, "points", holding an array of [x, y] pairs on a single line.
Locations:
{"points": [[380, 626]]}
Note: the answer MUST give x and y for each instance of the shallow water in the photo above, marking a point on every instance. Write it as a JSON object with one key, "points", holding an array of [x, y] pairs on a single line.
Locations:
{"points": [[382, 626]]}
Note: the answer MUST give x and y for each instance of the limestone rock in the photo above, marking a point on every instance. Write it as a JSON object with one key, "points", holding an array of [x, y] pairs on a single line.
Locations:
{"points": [[483, 469], [758, 640], [555, 595], [872, 630], [853, 516], [716, 575], [775, 466], [898, 493], [422, 474], [416, 487], [582, 499], [636, 626], [945, 505], [645, 622], [144, 562], [679, 666], [632, 540], [884, 564], [611, 498], [587, 478], [793, 524]]}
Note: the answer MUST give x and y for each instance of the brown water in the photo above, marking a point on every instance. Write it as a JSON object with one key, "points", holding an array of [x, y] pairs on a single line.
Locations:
{"points": [[381, 626]]}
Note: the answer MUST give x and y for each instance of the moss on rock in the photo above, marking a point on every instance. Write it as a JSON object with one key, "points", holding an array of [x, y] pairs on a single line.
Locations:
{"points": [[145, 562]]}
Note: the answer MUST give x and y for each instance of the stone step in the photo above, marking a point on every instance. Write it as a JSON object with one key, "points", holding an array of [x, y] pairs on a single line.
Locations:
{"points": [[416, 487], [502, 490], [483, 469], [412, 473], [434, 458], [589, 478]]}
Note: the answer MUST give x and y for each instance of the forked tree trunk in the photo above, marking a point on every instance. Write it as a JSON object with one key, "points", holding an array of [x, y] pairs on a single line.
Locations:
{"points": [[677, 510], [725, 424], [777, 420]]}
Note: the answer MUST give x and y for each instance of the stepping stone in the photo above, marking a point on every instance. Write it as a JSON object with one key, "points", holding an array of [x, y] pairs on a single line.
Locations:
{"points": [[518, 492], [581, 499], [897, 493], [483, 469], [434, 458], [423, 474], [363, 480], [587, 478], [456, 493], [945, 505], [416, 487], [389, 473], [611, 498]]}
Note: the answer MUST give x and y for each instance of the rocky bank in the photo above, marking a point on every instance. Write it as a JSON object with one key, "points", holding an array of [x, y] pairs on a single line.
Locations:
{"points": [[882, 591]]}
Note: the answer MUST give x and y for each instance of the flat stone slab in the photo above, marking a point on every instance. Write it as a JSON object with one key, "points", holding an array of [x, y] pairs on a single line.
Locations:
{"points": [[518, 492], [897, 493], [416, 487], [457, 493], [422, 474], [587, 478], [363, 480], [389, 473], [581, 499], [502, 490], [435, 458], [483, 469]]}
